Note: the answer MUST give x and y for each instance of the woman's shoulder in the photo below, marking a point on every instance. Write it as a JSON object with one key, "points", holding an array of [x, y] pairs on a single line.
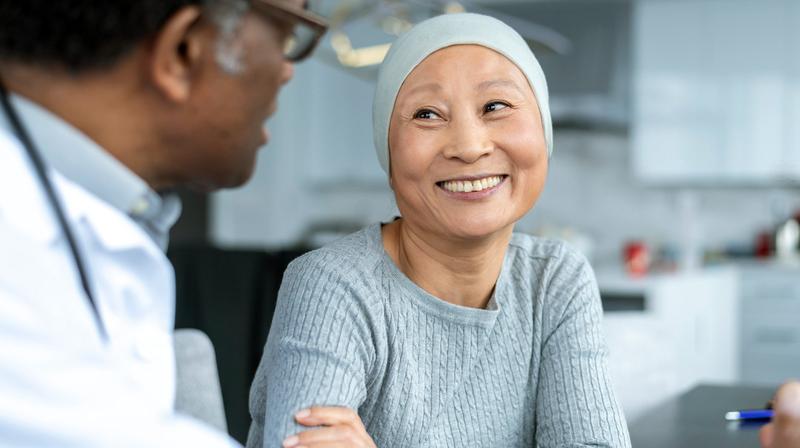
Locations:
{"points": [[555, 260], [536, 247], [558, 276], [349, 261]]}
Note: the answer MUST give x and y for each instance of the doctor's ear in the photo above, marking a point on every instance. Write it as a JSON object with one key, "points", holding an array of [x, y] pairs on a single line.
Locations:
{"points": [[177, 53]]}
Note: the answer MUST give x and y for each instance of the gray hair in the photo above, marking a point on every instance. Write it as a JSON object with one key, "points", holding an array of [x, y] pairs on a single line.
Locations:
{"points": [[227, 15]]}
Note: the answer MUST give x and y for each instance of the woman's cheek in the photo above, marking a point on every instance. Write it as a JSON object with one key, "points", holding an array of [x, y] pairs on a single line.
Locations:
{"points": [[417, 154], [525, 144]]}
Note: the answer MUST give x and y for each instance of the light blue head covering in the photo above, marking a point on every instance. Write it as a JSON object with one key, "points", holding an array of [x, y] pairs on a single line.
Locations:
{"points": [[443, 31]]}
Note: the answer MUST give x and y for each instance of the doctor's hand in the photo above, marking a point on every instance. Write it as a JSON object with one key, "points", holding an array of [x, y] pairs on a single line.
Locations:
{"points": [[340, 428], [784, 430]]}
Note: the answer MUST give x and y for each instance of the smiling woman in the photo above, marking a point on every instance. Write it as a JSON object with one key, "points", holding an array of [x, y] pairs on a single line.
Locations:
{"points": [[443, 328], [456, 126]]}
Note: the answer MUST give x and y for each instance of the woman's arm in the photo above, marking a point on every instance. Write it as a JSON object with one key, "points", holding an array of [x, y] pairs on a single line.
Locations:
{"points": [[319, 351], [576, 405]]}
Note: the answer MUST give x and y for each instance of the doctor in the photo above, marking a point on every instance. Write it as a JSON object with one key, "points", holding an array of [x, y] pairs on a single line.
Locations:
{"points": [[104, 104]]}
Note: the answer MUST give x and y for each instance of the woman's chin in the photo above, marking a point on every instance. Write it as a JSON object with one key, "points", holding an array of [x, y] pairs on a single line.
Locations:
{"points": [[479, 229]]}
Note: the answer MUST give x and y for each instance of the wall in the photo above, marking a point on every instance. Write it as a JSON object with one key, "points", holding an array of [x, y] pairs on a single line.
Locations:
{"points": [[318, 167], [591, 188]]}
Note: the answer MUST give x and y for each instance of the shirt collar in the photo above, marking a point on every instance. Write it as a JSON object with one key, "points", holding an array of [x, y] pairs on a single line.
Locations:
{"points": [[84, 162]]}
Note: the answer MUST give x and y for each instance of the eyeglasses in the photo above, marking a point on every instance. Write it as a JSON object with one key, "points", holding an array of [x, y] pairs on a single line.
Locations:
{"points": [[307, 27]]}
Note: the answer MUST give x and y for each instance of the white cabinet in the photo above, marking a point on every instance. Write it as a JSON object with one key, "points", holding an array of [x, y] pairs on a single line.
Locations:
{"points": [[684, 334], [770, 335], [716, 91], [731, 324]]}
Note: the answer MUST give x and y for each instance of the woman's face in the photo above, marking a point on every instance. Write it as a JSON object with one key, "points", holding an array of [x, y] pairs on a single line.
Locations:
{"points": [[467, 149]]}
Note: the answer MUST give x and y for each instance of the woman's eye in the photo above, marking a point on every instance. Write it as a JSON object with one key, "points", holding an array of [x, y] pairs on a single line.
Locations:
{"points": [[493, 106], [425, 114]]}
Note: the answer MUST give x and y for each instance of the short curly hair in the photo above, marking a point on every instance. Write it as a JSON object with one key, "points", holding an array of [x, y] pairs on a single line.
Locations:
{"points": [[80, 35]]}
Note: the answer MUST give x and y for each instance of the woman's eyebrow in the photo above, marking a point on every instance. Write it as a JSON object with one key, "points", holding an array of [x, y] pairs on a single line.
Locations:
{"points": [[430, 86], [485, 85]]}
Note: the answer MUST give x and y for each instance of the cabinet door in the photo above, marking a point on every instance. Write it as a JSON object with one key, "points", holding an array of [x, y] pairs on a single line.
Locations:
{"points": [[770, 349], [792, 153], [710, 101], [770, 335], [750, 41]]}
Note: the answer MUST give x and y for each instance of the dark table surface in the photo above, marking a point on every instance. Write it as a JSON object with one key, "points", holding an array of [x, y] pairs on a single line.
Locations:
{"points": [[696, 419]]}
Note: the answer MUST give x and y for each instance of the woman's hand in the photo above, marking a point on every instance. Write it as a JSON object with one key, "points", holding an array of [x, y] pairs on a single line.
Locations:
{"points": [[784, 431], [341, 428]]}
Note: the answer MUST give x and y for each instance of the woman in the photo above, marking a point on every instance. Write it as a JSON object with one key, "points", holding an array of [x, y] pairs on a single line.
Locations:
{"points": [[443, 328]]}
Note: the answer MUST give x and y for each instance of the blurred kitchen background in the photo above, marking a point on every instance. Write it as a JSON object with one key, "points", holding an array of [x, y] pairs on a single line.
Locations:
{"points": [[676, 170]]}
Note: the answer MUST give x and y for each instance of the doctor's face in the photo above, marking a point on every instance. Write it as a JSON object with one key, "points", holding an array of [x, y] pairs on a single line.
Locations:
{"points": [[467, 148], [234, 104]]}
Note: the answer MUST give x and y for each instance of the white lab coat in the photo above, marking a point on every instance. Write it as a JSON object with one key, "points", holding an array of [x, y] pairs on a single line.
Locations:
{"points": [[60, 384]]}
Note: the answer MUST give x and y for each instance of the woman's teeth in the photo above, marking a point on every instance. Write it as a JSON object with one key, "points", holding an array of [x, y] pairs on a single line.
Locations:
{"points": [[468, 186]]}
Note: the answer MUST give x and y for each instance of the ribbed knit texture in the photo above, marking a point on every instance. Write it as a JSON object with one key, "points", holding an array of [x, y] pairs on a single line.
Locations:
{"points": [[350, 329]]}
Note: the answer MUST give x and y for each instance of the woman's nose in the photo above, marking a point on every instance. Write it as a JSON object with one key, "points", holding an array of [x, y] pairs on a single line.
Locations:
{"points": [[470, 141]]}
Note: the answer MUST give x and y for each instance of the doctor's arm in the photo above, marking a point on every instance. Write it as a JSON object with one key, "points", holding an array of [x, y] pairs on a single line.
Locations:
{"points": [[784, 430]]}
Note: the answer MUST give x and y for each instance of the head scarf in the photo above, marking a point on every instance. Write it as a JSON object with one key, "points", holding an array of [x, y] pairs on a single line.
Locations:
{"points": [[443, 31]]}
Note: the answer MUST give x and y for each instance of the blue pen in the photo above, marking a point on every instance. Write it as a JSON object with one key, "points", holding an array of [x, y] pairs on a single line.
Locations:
{"points": [[749, 414]]}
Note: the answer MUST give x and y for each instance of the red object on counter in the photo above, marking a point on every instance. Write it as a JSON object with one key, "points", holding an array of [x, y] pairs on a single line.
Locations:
{"points": [[763, 247], [637, 258]]}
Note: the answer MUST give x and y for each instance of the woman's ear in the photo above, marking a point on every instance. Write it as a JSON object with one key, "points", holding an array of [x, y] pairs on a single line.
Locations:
{"points": [[177, 53]]}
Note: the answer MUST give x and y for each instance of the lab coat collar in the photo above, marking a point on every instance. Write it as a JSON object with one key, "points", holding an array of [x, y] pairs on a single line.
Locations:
{"points": [[83, 162]]}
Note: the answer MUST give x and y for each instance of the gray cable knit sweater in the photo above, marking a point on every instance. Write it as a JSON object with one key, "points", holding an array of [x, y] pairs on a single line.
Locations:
{"points": [[350, 329]]}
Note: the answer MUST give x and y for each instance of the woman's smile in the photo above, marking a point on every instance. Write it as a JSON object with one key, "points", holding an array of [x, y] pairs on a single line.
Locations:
{"points": [[472, 188]]}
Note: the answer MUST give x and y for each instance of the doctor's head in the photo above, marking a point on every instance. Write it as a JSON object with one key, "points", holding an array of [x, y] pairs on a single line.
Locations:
{"points": [[178, 90]]}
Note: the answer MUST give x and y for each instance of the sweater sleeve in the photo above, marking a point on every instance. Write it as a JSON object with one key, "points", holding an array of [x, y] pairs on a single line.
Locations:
{"points": [[319, 350], [576, 405]]}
